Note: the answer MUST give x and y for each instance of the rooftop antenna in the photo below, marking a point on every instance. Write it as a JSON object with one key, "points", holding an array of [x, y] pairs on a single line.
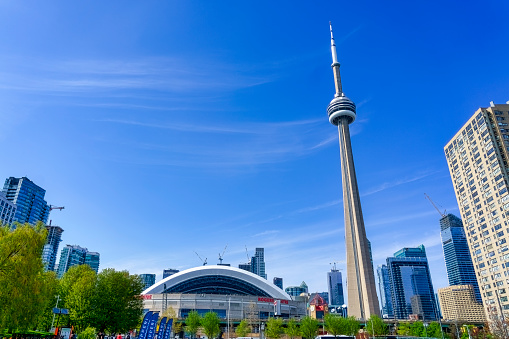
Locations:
{"points": [[334, 266], [221, 255], [203, 261], [247, 254]]}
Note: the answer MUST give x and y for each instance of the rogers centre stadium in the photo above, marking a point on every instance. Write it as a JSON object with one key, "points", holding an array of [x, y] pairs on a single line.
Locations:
{"points": [[228, 291]]}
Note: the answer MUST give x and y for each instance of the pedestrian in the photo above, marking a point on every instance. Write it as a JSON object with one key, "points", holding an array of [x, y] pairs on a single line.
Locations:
{"points": [[119, 336]]}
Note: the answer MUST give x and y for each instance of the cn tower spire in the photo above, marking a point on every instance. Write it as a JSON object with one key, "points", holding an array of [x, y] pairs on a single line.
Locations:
{"points": [[362, 298], [335, 64]]}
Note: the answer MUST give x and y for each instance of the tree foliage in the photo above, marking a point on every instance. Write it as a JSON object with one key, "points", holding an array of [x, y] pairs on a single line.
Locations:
{"points": [[274, 328], [77, 288], [403, 328], [417, 329], [210, 324], [352, 326], [192, 323], [292, 330], [335, 324], [242, 328], [376, 326], [26, 291], [309, 327], [117, 306], [171, 314], [434, 330]]}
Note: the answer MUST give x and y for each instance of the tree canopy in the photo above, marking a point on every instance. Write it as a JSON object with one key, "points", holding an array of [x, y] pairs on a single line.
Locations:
{"points": [[242, 328], [210, 324], [192, 323], [274, 328], [309, 327]]}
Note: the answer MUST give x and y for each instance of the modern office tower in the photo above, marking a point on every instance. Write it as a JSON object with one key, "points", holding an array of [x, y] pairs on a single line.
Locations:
{"points": [[296, 291], [169, 271], [246, 266], [278, 282], [71, 255], [29, 200], [148, 280], [258, 263], [50, 250], [384, 286], [411, 286], [335, 287], [7, 210], [478, 158], [458, 261], [362, 298], [459, 303], [92, 259]]}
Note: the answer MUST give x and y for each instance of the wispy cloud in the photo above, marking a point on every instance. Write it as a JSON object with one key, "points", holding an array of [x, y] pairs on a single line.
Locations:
{"points": [[387, 185]]}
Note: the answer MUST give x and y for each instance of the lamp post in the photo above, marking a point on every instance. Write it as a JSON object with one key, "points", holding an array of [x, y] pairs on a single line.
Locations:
{"points": [[426, 329]]}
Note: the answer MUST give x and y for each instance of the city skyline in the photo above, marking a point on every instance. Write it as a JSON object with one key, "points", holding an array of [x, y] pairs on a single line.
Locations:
{"points": [[207, 121]]}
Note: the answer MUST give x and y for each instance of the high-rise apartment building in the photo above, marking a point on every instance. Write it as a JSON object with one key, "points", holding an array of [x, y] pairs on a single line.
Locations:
{"points": [[29, 200], [458, 261], [7, 210], [335, 287], [148, 280], [93, 259], [169, 271], [459, 303], [73, 255], [411, 287], [384, 286], [278, 282], [362, 297], [478, 160], [258, 263], [50, 250]]}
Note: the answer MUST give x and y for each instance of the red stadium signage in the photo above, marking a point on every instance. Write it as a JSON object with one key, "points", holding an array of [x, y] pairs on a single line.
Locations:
{"points": [[147, 296], [271, 300]]}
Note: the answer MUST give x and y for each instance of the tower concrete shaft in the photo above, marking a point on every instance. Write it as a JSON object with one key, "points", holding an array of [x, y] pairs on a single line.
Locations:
{"points": [[362, 297]]}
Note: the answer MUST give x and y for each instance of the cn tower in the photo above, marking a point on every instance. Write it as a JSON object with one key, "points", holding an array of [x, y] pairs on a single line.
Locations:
{"points": [[362, 298]]}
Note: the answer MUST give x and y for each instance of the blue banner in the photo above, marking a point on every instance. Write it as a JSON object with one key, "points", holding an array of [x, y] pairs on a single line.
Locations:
{"points": [[162, 327], [167, 332], [152, 326], [144, 325]]}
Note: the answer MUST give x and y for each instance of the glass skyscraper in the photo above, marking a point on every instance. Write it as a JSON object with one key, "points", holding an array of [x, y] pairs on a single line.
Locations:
{"points": [[335, 287], [7, 210], [73, 255], [50, 250], [411, 287], [458, 261], [92, 259], [258, 263], [148, 280], [384, 286], [29, 200]]}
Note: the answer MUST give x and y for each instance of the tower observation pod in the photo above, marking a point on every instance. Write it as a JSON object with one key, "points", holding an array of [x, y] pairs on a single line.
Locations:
{"points": [[362, 298]]}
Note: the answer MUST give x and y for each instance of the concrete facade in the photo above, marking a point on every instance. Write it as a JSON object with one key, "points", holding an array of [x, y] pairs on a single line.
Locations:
{"points": [[362, 297], [478, 157], [458, 303]]}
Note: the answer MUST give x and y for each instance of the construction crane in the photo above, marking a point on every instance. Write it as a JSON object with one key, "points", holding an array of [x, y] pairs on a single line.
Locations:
{"points": [[203, 261], [53, 207], [221, 255], [247, 254], [431, 201]]}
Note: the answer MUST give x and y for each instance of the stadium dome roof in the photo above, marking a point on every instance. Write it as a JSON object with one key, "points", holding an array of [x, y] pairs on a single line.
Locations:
{"points": [[216, 279]]}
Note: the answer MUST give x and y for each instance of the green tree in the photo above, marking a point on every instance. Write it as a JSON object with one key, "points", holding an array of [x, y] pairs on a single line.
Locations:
{"points": [[26, 291], [335, 324], [417, 329], [192, 323], [403, 328], [309, 327], [88, 333], [117, 306], [376, 326], [176, 325], [242, 328], [77, 288], [210, 324], [433, 330], [292, 330], [274, 328], [352, 326]]}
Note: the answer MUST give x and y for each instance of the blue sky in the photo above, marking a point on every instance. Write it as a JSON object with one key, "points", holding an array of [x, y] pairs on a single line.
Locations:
{"points": [[166, 128]]}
